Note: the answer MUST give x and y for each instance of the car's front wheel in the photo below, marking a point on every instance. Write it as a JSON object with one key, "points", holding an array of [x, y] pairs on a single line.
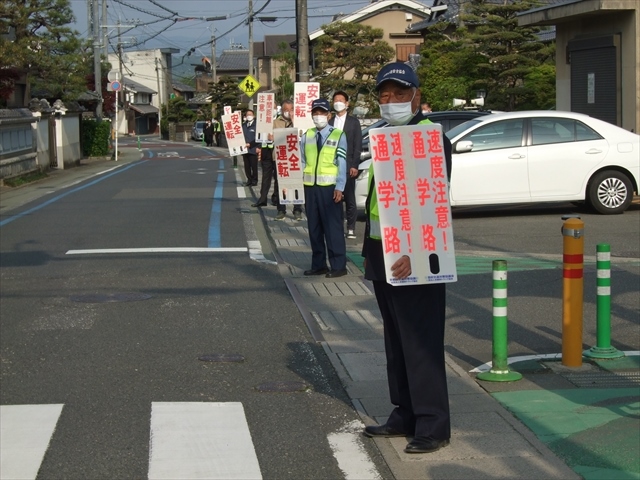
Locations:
{"points": [[610, 192]]}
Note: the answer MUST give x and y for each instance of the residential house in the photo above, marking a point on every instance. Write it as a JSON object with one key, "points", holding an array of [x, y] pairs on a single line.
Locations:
{"points": [[267, 68], [392, 16], [142, 116], [598, 54], [150, 69]]}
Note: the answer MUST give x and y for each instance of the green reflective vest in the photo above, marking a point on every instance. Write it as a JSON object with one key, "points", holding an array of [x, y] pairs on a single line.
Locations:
{"points": [[372, 211], [321, 169]]}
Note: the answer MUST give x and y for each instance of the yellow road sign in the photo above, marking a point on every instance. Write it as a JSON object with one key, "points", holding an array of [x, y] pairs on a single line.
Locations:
{"points": [[249, 85]]}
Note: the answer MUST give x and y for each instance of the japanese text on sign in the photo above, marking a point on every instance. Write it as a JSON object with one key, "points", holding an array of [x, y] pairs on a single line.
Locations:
{"points": [[413, 202], [232, 124], [286, 151], [304, 93], [264, 125]]}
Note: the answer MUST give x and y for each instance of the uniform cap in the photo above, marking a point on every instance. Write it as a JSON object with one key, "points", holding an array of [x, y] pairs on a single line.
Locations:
{"points": [[320, 103], [398, 72]]}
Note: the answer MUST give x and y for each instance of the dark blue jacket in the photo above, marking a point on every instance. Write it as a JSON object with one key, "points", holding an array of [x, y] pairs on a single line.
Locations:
{"points": [[250, 135]]}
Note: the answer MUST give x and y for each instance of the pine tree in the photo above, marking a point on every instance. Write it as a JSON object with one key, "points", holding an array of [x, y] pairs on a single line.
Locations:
{"points": [[42, 46]]}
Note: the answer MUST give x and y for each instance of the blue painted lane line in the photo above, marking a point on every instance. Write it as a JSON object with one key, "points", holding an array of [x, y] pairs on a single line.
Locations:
{"points": [[62, 195], [216, 212]]}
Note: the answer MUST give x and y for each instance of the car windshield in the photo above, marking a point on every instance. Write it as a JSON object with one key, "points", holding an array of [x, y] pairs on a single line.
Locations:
{"points": [[200, 125], [455, 131]]}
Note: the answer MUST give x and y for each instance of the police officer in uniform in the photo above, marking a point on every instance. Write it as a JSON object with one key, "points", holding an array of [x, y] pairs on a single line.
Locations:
{"points": [[413, 315], [324, 151]]}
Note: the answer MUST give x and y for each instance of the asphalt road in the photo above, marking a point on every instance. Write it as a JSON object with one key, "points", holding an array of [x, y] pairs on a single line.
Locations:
{"points": [[110, 335]]}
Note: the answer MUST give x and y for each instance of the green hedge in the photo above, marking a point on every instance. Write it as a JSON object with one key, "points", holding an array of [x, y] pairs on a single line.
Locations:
{"points": [[95, 138]]}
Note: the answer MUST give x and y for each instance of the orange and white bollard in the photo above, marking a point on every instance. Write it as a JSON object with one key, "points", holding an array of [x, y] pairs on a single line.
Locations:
{"points": [[572, 291]]}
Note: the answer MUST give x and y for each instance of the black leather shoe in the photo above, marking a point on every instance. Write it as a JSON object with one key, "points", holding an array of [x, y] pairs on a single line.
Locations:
{"points": [[382, 431], [425, 445], [316, 271], [259, 204], [337, 273]]}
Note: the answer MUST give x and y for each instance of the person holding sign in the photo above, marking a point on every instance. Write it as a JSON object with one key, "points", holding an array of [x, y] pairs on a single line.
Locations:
{"points": [[251, 157], [324, 152], [413, 315]]}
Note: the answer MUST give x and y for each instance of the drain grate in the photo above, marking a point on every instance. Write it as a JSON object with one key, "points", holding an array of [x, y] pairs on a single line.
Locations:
{"points": [[604, 379], [110, 297]]}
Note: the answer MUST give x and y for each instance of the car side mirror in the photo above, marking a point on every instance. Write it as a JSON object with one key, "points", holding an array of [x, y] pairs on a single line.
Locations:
{"points": [[464, 146], [365, 156]]}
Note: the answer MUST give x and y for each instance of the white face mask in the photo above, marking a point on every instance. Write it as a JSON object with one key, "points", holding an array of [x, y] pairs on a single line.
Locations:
{"points": [[320, 121], [249, 119], [286, 115], [397, 113], [339, 106], [424, 112]]}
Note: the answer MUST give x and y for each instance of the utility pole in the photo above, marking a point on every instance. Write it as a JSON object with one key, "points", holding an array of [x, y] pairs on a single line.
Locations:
{"points": [[251, 47], [105, 43], [302, 33], [97, 71], [213, 69], [159, 99]]}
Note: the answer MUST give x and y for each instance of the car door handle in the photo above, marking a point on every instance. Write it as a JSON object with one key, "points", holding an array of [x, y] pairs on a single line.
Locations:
{"points": [[516, 156], [593, 151]]}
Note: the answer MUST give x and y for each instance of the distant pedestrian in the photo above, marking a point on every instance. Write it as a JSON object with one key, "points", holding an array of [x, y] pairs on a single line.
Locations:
{"points": [[323, 151], [353, 131], [208, 134], [217, 131], [251, 157]]}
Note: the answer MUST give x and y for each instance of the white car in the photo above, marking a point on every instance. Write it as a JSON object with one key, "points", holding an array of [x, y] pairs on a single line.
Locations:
{"points": [[539, 156]]}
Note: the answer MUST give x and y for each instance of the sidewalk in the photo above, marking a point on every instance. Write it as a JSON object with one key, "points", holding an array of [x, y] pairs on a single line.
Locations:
{"points": [[536, 428]]}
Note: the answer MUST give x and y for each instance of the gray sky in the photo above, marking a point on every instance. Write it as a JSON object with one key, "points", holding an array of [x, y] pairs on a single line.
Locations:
{"points": [[186, 34]]}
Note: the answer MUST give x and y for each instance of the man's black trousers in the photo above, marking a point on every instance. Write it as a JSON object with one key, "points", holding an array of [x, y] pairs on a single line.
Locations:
{"points": [[324, 219]]}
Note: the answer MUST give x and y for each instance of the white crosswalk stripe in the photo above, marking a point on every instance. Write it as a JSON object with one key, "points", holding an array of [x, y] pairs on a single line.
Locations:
{"points": [[201, 440], [188, 440], [25, 432]]}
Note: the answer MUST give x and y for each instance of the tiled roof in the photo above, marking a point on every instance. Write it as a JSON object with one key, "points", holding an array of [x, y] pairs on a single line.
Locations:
{"points": [[182, 87], [233, 60], [136, 87]]}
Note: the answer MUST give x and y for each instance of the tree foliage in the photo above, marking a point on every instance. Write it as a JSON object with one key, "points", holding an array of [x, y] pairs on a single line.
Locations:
{"points": [[490, 53], [348, 57], [224, 92], [287, 60], [42, 46], [177, 110]]}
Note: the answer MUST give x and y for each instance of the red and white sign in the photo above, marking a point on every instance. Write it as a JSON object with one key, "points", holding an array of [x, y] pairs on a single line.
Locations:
{"points": [[227, 109], [232, 125], [304, 93], [264, 125], [286, 152], [411, 185]]}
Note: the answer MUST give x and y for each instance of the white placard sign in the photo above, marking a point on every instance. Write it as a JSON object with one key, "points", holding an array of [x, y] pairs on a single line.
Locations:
{"points": [[303, 94], [232, 124], [286, 153], [264, 125], [413, 202], [227, 109]]}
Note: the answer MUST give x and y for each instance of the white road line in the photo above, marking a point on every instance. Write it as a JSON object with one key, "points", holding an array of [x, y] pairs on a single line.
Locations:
{"points": [[25, 432], [485, 367], [349, 451], [201, 440], [157, 250], [255, 252], [241, 192]]}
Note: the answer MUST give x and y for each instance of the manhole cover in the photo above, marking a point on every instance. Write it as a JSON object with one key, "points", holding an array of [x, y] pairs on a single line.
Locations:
{"points": [[222, 357], [604, 379], [282, 387], [110, 297]]}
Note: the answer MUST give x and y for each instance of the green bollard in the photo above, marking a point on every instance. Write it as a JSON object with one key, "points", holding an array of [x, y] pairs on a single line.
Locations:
{"points": [[603, 348], [500, 366]]}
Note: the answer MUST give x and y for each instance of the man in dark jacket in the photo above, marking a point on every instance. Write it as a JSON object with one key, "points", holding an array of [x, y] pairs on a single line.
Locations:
{"points": [[250, 158], [351, 128], [413, 315]]}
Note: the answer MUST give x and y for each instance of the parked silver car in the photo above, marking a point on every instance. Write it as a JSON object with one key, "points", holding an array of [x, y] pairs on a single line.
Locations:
{"points": [[197, 132]]}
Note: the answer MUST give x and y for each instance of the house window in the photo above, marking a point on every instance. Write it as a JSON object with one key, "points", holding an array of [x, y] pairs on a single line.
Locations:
{"points": [[403, 50]]}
